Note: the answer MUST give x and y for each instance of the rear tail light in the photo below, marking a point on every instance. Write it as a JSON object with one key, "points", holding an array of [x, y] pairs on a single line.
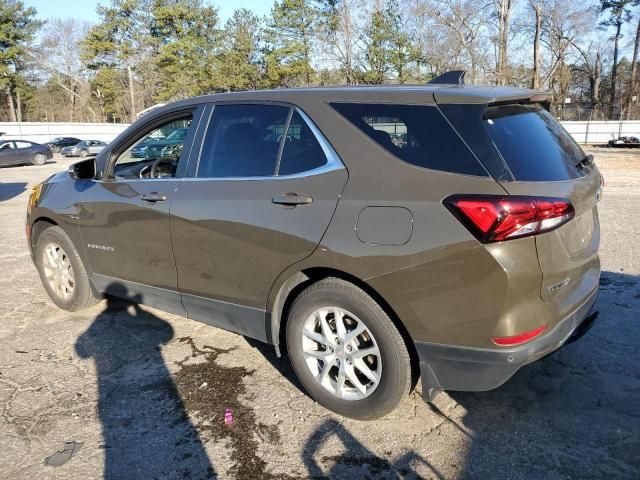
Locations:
{"points": [[520, 338], [493, 218]]}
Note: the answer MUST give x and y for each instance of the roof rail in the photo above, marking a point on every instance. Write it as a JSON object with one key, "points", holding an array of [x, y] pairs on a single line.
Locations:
{"points": [[453, 77]]}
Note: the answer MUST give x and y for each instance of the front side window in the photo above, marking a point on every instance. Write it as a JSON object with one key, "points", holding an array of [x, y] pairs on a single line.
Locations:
{"points": [[243, 141], [416, 134], [155, 154], [301, 151]]}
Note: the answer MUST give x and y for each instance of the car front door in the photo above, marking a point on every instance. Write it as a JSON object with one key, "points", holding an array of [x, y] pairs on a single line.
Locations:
{"points": [[258, 201], [8, 153], [124, 217]]}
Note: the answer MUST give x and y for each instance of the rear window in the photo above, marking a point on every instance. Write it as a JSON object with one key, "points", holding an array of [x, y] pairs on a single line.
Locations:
{"points": [[534, 146], [416, 134]]}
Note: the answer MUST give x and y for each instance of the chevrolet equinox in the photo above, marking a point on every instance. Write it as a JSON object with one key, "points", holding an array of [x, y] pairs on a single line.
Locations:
{"points": [[375, 234]]}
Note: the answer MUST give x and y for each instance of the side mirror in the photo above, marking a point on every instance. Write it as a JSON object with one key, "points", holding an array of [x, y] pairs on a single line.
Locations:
{"points": [[85, 170]]}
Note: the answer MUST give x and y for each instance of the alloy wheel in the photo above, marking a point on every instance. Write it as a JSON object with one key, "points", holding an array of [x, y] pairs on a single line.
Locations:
{"points": [[58, 271], [341, 353]]}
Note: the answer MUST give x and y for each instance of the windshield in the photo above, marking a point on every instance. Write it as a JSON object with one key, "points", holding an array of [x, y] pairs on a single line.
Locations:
{"points": [[533, 144]]}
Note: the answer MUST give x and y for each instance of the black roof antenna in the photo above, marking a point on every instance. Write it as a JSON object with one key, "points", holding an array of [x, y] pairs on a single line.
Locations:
{"points": [[453, 77]]}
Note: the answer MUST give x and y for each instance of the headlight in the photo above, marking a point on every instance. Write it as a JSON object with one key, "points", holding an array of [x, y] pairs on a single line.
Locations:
{"points": [[34, 197]]}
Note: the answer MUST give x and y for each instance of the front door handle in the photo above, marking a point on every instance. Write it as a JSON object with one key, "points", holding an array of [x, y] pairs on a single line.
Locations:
{"points": [[291, 200], [153, 197]]}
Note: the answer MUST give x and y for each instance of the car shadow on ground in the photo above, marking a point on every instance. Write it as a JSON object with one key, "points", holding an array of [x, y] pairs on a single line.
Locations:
{"points": [[572, 414], [10, 190], [145, 427]]}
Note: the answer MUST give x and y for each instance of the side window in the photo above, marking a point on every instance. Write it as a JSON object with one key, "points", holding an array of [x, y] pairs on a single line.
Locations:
{"points": [[416, 134], [6, 146], [156, 153], [242, 141], [20, 144], [301, 151]]}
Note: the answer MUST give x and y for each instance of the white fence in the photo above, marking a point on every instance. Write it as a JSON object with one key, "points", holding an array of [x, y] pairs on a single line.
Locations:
{"points": [[600, 131], [43, 132]]}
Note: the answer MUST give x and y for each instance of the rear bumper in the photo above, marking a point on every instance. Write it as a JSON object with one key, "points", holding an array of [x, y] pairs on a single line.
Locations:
{"points": [[447, 367]]}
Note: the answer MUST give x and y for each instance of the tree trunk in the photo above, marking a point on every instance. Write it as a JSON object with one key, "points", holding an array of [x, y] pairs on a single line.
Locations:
{"points": [[634, 71], [503, 8], [614, 71], [12, 110], [535, 80], [132, 94], [18, 106]]}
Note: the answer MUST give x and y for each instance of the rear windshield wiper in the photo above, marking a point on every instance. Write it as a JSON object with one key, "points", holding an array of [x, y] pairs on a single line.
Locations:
{"points": [[586, 161]]}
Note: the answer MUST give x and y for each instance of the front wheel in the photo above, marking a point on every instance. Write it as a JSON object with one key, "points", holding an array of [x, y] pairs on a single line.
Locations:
{"points": [[39, 159], [61, 270], [346, 351]]}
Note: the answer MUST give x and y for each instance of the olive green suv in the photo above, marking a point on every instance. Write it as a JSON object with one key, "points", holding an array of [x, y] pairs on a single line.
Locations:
{"points": [[374, 234]]}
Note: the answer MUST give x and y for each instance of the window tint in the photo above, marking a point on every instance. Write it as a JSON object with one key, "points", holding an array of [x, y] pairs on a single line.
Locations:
{"points": [[242, 141], [301, 151], [535, 147], [20, 144], [416, 134], [6, 145], [159, 147]]}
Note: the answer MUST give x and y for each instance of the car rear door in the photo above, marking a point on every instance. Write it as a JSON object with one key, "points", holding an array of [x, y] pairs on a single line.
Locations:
{"points": [[259, 200], [545, 161]]}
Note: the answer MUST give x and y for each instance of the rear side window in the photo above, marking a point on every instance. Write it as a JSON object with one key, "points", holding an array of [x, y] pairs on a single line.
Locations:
{"points": [[417, 134], [243, 141], [301, 151], [534, 146]]}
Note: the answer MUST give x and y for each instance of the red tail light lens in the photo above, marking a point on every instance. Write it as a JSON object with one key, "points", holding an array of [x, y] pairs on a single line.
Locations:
{"points": [[493, 218], [520, 338]]}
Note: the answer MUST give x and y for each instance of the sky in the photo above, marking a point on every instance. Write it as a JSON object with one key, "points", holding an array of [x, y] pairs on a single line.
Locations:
{"points": [[86, 9]]}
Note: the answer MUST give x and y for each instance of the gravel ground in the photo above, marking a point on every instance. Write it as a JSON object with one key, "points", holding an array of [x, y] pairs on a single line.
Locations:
{"points": [[130, 392]]}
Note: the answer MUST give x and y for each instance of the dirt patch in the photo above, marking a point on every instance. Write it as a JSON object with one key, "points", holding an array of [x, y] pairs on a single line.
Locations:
{"points": [[207, 389]]}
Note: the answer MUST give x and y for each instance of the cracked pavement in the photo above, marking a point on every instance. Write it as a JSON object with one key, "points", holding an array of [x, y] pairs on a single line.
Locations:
{"points": [[142, 393]]}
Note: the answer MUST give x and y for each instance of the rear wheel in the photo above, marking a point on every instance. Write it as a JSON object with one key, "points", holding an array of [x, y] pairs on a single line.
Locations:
{"points": [[61, 270], [346, 351], [39, 159], [84, 152]]}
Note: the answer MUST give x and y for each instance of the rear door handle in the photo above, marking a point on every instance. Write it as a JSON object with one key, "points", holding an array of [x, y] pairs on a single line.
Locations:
{"points": [[153, 197], [291, 200]]}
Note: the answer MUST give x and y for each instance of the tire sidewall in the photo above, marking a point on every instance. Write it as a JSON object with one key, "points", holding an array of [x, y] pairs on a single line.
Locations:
{"points": [[386, 394], [57, 235]]}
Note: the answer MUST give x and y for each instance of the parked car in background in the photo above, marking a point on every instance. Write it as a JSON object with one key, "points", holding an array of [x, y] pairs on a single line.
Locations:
{"points": [[59, 143], [461, 253], [166, 147], [21, 152], [84, 148], [624, 141]]}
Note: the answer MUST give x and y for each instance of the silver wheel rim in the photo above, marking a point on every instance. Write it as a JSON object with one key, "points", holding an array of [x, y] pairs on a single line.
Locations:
{"points": [[341, 353], [40, 159], [58, 271]]}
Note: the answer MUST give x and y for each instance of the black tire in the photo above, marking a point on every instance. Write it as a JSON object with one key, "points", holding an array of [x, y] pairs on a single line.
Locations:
{"points": [[83, 295], [395, 378]]}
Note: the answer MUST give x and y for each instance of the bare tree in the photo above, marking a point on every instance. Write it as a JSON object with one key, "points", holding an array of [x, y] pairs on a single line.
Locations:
{"points": [[58, 59], [503, 14], [536, 6], [634, 73], [467, 20]]}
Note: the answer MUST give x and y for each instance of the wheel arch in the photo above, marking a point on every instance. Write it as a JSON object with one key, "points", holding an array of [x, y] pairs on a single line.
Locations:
{"points": [[39, 225], [302, 279]]}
